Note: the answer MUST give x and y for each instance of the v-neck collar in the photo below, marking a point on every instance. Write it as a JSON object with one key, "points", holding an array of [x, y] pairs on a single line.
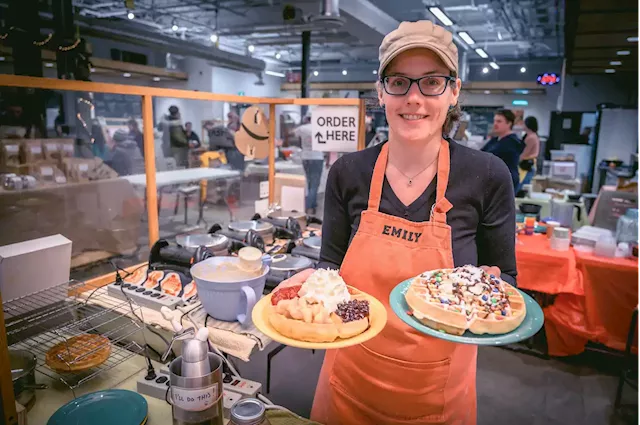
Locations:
{"points": [[419, 202]]}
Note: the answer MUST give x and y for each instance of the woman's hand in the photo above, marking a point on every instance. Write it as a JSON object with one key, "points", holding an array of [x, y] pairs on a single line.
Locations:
{"points": [[295, 280], [494, 270]]}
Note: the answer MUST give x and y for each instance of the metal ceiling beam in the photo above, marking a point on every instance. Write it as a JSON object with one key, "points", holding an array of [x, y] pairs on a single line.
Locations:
{"points": [[134, 34]]}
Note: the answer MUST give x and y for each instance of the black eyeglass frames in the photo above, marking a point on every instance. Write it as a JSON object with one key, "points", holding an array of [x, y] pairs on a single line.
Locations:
{"points": [[430, 85]]}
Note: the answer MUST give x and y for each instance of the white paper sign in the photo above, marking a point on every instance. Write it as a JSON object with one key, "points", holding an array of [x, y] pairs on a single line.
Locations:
{"points": [[292, 198], [51, 147], [36, 150], [334, 129], [12, 148], [264, 189], [83, 167], [46, 171], [194, 400], [68, 148]]}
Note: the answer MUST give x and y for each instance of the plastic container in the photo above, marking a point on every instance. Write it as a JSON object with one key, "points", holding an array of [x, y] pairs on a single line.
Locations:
{"points": [[627, 227], [606, 246], [561, 239]]}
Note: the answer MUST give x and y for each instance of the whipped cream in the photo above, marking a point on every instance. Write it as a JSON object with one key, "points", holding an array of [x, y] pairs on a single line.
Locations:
{"points": [[327, 287]]}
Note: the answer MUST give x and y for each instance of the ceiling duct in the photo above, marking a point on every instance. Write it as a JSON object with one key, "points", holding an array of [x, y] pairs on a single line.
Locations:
{"points": [[329, 16]]}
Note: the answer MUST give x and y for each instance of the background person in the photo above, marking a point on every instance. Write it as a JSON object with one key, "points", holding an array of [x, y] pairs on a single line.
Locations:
{"points": [[505, 144], [313, 163], [528, 157]]}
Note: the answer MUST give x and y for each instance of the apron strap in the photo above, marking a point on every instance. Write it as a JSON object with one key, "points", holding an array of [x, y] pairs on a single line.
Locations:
{"points": [[440, 207], [375, 192]]}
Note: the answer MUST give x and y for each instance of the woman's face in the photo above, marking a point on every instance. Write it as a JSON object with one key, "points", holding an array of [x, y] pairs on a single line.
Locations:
{"points": [[414, 117]]}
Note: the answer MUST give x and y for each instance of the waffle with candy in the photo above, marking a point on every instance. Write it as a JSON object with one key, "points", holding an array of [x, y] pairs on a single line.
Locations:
{"points": [[323, 309], [465, 298]]}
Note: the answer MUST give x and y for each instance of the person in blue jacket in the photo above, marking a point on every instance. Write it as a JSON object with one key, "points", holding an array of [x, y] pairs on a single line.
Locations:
{"points": [[505, 144]]}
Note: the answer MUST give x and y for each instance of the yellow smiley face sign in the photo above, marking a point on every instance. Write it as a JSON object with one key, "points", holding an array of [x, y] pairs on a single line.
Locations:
{"points": [[252, 139]]}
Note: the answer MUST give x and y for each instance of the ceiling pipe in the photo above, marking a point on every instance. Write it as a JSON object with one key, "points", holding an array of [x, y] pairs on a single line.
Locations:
{"points": [[102, 15]]}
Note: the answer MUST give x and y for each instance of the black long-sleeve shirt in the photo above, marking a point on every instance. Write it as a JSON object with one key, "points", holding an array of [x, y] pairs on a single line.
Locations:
{"points": [[482, 219]]}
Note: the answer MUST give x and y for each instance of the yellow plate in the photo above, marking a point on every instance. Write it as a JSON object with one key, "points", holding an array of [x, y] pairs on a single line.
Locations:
{"points": [[377, 321]]}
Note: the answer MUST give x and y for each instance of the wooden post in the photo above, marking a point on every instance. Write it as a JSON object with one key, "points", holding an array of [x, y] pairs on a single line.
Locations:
{"points": [[8, 408], [150, 169], [362, 130], [272, 153]]}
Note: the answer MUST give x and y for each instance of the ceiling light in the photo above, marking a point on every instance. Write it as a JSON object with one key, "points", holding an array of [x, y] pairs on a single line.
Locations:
{"points": [[93, 70], [1, 58], [156, 78], [315, 73], [499, 35], [48, 64], [126, 75], [610, 71], [523, 70], [344, 72], [275, 74], [375, 72], [278, 55], [466, 37], [251, 48], [485, 70], [632, 39], [487, 91], [174, 27], [131, 15], [213, 38], [518, 102], [441, 16], [482, 53], [494, 65], [623, 53], [615, 63]]}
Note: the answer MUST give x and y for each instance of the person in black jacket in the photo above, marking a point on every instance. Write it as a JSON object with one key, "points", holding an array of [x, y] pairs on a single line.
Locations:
{"points": [[505, 144]]}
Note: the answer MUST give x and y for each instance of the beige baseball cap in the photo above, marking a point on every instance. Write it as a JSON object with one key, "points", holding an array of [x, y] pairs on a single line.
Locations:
{"points": [[420, 34]]}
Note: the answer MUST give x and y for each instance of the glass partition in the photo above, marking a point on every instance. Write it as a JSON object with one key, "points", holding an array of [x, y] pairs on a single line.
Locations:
{"points": [[63, 156]]}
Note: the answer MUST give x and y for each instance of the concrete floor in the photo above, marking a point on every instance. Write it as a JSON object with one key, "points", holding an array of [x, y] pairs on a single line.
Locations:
{"points": [[512, 388]]}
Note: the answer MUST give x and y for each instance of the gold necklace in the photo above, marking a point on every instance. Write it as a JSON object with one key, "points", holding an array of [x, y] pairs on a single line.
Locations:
{"points": [[410, 182]]}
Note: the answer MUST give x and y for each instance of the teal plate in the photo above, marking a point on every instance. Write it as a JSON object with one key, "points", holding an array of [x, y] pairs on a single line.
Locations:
{"points": [[530, 326], [108, 407]]}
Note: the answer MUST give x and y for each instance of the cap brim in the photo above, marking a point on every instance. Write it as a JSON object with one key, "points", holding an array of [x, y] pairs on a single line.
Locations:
{"points": [[429, 46]]}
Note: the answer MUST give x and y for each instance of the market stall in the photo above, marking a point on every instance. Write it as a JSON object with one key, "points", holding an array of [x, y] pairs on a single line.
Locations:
{"points": [[594, 297], [98, 310]]}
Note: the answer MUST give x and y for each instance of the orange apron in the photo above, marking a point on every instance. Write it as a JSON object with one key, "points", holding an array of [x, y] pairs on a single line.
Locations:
{"points": [[401, 376]]}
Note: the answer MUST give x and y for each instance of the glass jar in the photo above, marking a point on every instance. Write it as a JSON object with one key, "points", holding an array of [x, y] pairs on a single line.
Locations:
{"points": [[627, 227], [249, 411]]}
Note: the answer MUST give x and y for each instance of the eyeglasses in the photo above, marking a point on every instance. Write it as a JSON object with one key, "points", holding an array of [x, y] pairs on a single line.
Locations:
{"points": [[432, 85]]}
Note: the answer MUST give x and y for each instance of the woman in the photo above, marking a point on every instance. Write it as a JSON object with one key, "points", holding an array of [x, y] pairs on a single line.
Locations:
{"points": [[527, 166], [458, 203]]}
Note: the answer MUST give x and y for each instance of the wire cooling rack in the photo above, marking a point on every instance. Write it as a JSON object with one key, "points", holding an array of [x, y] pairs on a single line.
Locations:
{"points": [[39, 321]]}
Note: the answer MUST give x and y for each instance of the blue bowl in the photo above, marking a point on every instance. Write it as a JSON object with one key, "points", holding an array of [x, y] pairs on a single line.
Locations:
{"points": [[227, 301]]}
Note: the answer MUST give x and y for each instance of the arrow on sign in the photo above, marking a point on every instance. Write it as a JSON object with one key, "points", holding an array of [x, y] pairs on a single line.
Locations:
{"points": [[318, 137]]}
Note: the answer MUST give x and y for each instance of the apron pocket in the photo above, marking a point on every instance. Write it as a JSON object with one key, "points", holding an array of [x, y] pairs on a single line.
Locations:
{"points": [[389, 389]]}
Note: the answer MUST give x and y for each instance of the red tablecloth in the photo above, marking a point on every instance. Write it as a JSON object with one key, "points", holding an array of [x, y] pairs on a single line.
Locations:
{"points": [[595, 296]]}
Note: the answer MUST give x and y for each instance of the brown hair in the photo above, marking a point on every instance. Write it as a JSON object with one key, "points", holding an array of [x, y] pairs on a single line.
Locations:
{"points": [[454, 114], [508, 115]]}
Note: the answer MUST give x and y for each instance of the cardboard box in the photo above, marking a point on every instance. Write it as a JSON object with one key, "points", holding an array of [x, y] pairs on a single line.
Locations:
{"points": [[34, 265], [288, 180], [56, 149], [46, 172], [9, 152], [31, 151]]}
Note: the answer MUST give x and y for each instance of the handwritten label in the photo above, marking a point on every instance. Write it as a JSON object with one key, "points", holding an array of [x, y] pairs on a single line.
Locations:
{"points": [[12, 148], [68, 148], [83, 167], [194, 400], [46, 171], [51, 147], [36, 150]]}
